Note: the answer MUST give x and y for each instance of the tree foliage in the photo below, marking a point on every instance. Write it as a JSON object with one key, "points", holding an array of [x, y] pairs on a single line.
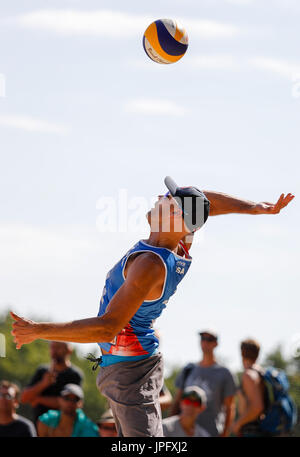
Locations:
{"points": [[276, 359]]}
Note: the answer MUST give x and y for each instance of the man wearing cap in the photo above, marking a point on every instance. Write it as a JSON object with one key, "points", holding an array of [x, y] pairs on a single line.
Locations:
{"points": [[136, 291], [193, 403], [70, 420], [217, 382]]}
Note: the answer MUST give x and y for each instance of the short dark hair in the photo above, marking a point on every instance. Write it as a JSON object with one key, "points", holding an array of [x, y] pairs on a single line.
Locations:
{"points": [[7, 384], [250, 349]]}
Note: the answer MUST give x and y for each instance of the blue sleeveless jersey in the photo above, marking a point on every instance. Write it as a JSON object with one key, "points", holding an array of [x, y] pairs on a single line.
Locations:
{"points": [[137, 339]]}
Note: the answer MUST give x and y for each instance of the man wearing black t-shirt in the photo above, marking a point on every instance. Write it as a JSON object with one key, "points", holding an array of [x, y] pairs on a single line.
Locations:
{"points": [[12, 425], [48, 381]]}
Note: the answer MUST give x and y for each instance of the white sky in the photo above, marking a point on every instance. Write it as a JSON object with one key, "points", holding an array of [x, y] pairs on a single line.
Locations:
{"points": [[86, 113]]}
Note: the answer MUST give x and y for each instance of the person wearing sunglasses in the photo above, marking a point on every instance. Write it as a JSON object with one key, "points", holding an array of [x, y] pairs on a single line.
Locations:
{"points": [[70, 420], [218, 383], [192, 404], [136, 291], [11, 424]]}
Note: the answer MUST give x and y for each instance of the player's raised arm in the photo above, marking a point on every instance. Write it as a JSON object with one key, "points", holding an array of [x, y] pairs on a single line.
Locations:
{"points": [[221, 203], [145, 274]]}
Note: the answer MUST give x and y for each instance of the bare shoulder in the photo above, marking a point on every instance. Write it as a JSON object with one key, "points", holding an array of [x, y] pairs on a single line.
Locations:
{"points": [[147, 264], [251, 376]]}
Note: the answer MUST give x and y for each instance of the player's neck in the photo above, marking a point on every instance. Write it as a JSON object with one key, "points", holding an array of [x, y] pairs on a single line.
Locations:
{"points": [[165, 240]]}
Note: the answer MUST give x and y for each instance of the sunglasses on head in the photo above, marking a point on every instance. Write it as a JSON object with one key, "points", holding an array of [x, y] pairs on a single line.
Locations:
{"points": [[168, 195]]}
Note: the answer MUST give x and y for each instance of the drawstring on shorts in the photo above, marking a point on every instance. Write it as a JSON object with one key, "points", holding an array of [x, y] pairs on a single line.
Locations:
{"points": [[96, 361]]}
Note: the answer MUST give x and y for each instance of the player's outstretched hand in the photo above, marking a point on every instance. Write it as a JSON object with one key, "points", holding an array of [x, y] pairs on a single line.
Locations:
{"points": [[24, 330], [274, 208]]}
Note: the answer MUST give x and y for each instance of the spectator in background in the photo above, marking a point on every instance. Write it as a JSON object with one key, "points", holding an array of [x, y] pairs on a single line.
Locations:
{"points": [[193, 402], [48, 381], [10, 423], [106, 425], [70, 421], [251, 394], [218, 384]]}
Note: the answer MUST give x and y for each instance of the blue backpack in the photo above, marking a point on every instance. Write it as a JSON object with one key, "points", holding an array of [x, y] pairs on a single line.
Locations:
{"points": [[280, 414]]}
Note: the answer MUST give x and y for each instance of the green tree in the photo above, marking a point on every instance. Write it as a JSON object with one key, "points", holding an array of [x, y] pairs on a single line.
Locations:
{"points": [[170, 380], [276, 359]]}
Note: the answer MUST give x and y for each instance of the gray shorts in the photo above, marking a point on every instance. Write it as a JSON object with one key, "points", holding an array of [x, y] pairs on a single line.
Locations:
{"points": [[132, 389]]}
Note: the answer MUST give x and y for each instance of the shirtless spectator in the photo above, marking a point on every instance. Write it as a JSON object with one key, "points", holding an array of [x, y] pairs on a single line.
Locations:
{"points": [[250, 395]]}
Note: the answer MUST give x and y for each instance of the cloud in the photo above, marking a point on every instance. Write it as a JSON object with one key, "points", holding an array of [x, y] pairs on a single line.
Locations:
{"points": [[154, 107], [31, 124], [110, 24], [283, 68], [33, 250], [2, 85], [240, 2], [103, 22], [214, 61], [31, 247], [209, 29]]}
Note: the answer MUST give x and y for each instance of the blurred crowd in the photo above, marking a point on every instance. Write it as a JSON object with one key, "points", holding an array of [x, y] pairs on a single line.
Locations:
{"points": [[208, 402]]}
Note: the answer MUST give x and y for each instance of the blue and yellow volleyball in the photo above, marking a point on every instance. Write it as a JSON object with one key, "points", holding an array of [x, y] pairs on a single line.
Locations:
{"points": [[165, 41]]}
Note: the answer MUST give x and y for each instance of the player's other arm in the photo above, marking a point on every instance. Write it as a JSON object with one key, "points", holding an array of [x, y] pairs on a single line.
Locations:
{"points": [[146, 273], [221, 203]]}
